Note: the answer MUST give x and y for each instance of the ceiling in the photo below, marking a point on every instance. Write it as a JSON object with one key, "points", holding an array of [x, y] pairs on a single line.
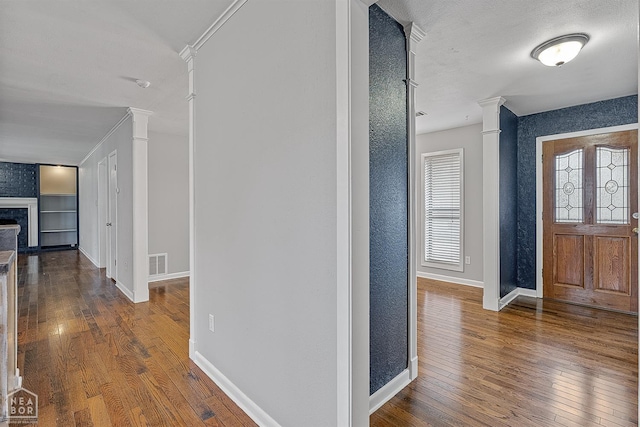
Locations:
{"points": [[478, 49], [68, 68]]}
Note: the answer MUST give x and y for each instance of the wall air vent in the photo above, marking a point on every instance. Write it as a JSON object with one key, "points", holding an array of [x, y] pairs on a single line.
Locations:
{"points": [[157, 264]]}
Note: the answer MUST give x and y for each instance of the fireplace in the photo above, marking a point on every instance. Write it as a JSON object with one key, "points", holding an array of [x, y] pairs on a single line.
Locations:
{"points": [[24, 211]]}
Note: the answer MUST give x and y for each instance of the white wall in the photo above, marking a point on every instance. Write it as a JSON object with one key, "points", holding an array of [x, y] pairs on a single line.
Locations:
{"points": [[168, 171], [470, 139], [265, 209], [121, 140]]}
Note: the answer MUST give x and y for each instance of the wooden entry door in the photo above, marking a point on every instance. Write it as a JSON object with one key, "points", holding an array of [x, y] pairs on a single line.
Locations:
{"points": [[590, 194]]}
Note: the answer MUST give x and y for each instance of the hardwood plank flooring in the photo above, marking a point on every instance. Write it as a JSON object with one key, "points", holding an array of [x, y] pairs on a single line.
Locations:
{"points": [[96, 359], [536, 363]]}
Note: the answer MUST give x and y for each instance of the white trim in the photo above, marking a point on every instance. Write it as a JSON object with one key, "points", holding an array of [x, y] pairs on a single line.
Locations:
{"points": [[102, 244], [413, 35], [188, 54], [344, 274], [539, 226], [140, 264], [168, 276], [113, 129], [222, 19], [255, 412], [491, 201], [89, 257], [390, 389], [450, 279], [127, 293], [112, 247], [31, 205], [507, 299]]}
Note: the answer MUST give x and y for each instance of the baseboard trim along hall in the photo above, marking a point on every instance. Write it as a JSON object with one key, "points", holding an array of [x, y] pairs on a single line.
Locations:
{"points": [[85, 253], [242, 400], [127, 293], [507, 299], [382, 396], [449, 279], [168, 276]]}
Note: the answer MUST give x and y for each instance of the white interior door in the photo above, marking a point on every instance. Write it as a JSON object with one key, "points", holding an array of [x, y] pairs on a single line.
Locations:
{"points": [[103, 191], [112, 220]]}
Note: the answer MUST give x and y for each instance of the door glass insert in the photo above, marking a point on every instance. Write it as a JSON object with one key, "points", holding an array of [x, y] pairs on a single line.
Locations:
{"points": [[612, 185], [569, 177]]}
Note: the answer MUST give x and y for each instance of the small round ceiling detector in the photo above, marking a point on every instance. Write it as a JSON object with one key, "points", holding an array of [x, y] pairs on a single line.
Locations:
{"points": [[143, 83]]}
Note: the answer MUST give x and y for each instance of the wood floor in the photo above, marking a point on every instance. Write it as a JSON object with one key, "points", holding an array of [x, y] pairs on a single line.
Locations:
{"points": [[96, 359], [533, 364]]}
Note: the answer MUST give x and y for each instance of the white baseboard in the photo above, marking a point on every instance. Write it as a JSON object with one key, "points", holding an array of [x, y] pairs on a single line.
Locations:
{"points": [[89, 257], [192, 349], [507, 299], [256, 413], [449, 279], [127, 293], [168, 276], [382, 396], [413, 368]]}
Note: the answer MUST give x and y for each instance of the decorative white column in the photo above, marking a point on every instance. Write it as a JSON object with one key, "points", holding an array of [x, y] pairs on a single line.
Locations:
{"points": [[188, 54], [491, 200], [413, 35], [140, 121]]}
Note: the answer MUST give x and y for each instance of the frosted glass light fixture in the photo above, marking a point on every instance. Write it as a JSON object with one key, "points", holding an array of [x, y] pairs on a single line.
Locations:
{"points": [[560, 50]]}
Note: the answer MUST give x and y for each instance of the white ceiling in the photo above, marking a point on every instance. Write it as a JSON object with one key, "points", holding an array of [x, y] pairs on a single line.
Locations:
{"points": [[68, 68], [477, 49]]}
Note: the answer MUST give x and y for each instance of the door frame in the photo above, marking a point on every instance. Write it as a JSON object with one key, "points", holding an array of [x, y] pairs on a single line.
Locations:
{"points": [[112, 247], [103, 211], [539, 225]]}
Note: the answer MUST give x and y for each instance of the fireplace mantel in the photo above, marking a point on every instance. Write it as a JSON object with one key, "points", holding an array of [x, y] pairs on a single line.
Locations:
{"points": [[29, 203]]}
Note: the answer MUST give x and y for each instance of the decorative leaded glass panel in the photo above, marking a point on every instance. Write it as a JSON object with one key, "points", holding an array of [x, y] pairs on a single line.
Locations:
{"points": [[612, 185], [569, 173]]}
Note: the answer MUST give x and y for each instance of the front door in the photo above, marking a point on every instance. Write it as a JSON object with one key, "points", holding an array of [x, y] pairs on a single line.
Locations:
{"points": [[589, 198]]}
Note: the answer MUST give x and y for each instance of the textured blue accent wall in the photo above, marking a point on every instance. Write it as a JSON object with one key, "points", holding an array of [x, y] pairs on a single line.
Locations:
{"points": [[18, 180], [508, 201], [388, 199], [614, 112]]}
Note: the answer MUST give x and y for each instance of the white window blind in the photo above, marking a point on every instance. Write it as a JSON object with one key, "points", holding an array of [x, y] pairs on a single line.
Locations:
{"points": [[443, 209]]}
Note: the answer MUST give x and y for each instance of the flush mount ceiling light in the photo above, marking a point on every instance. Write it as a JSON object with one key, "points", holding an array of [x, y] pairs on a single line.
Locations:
{"points": [[560, 50], [143, 83]]}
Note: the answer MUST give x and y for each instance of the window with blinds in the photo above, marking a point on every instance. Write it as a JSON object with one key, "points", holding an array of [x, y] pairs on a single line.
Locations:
{"points": [[443, 209]]}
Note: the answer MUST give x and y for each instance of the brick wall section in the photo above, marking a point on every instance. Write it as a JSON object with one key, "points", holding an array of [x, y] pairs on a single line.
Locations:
{"points": [[18, 180]]}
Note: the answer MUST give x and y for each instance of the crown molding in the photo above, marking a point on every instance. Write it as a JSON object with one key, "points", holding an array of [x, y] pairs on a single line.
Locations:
{"points": [[132, 111], [188, 53], [104, 138], [413, 32], [497, 101], [226, 15]]}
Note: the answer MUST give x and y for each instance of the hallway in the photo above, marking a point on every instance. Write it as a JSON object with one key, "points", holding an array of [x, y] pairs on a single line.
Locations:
{"points": [[94, 358]]}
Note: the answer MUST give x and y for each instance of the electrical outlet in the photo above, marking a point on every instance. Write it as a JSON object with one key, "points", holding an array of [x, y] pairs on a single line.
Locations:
{"points": [[467, 260], [211, 324]]}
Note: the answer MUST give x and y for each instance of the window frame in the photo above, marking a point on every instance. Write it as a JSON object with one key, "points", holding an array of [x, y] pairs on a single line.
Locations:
{"points": [[459, 266]]}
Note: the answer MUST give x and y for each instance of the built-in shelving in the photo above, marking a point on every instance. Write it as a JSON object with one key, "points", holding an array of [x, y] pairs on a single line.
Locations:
{"points": [[58, 206]]}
